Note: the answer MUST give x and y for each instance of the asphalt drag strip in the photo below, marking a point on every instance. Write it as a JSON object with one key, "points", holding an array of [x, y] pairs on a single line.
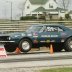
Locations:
{"points": [[37, 57]]}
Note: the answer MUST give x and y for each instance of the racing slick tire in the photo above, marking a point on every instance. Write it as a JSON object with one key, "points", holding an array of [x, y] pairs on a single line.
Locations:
{"points": [[25, 45], [10, 48], [68, 45]]}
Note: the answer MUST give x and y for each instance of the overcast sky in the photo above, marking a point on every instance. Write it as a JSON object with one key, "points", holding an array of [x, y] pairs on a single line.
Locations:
{"points": [[5, 8]]}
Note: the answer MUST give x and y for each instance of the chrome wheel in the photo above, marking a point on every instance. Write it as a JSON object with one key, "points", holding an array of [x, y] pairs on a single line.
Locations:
{"points": [[70, 44], [25, 45]]}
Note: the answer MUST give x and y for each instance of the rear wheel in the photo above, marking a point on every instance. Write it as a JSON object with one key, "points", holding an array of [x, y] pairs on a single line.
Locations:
{"points": [[25, 45], [68, 44], [10, 48]]}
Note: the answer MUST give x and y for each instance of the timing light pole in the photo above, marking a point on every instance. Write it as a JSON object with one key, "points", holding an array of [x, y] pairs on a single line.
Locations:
{"points": [[11, 7], [11, 11]]}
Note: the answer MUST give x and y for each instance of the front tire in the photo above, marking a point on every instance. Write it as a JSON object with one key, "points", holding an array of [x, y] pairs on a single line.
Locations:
{"points": [[25, 45], [68, 45]]}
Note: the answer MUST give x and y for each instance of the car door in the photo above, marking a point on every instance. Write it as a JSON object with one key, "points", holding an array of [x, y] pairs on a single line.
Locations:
{"points": [[51, 34]]}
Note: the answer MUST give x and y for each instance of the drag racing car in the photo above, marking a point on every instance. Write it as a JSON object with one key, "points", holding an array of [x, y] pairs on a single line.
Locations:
{"points": [[38, 36]]}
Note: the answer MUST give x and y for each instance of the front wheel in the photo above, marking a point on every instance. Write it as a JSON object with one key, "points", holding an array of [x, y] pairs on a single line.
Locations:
{"points": [[25, 45], [68, 45]]}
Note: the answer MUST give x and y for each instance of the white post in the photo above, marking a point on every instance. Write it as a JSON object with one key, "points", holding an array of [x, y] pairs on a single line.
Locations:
{"points": [[37, 15]]}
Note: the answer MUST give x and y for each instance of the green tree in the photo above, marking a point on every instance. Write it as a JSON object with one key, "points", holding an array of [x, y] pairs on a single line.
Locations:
{"points": [[67, 16]]}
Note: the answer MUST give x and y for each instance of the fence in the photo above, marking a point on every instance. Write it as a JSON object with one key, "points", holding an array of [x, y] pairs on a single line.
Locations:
{"points": [[17, 26]]}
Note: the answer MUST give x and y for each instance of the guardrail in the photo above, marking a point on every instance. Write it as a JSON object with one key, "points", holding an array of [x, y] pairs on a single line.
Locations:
{"points": [[17, 26]]}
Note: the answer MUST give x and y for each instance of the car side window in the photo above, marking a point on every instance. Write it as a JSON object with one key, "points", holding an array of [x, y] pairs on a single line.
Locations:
{"points": [[53, 29], [60, 29], [50, 29]]}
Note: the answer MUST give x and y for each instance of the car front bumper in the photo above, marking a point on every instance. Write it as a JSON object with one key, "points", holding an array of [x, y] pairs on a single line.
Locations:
{"points": [[7, 41]]}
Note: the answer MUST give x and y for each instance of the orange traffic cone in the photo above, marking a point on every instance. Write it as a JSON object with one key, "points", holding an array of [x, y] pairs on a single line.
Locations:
{"points": [[17, 51], [51, 49]]}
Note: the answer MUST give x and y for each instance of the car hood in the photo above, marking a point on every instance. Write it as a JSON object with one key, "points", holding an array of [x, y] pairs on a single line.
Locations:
{"points": [[12, 34], [18, 33]]}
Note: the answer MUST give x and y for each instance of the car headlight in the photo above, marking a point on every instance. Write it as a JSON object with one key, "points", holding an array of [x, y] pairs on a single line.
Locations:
{"points": [[9, 38]]}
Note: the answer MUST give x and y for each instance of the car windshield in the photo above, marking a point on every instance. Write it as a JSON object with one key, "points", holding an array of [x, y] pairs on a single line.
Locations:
{"points": [[34, 29]]}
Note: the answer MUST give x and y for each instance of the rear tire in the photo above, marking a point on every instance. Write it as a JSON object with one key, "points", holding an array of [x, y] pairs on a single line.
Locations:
{"points": [[25, 45], [68, 45]]}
